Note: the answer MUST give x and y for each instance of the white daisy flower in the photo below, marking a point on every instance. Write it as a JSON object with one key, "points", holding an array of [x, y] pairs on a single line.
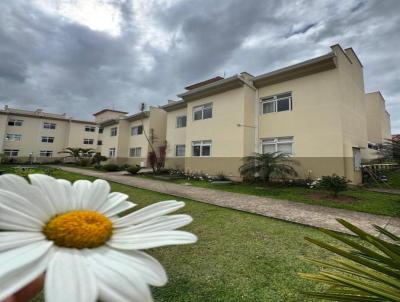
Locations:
{"points": [[74, 234]]}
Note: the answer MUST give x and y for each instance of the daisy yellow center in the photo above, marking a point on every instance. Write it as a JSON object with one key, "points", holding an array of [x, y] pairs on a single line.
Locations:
{"points": [[79, 229]]}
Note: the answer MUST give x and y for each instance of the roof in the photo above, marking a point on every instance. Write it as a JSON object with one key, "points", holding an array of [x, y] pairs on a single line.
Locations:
{"points": [[174, 105], [41, 114], [111, 110], [199, 84], [219, 86], [304, 68], [137, 116], [396, 137]]}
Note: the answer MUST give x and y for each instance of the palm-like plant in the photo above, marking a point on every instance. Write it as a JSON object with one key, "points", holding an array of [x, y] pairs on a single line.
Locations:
{"points": [[267, 165], [77, 153], [369, 271]]}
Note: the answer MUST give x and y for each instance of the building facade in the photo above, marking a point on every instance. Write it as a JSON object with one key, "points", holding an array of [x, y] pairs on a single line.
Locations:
{"points": [[37, 136], [316, 110]]}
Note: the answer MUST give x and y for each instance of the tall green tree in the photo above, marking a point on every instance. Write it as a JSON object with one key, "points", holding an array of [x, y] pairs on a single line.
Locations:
{"points": [[268, 165]]}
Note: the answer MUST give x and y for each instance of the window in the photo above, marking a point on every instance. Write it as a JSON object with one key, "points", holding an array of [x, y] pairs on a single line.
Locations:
{"points": [[181, 121], [90, 128], [100, 130], [13, 137], [278, 144], [49, 125], [201, 148], [137, 130], [11, 153], [114, 131], [46, 153], [180, 150], [202, 112], [99, 142], [135, 152], [13, 122], [111, 152], [88, 141], [277, 103], [47, 139]]}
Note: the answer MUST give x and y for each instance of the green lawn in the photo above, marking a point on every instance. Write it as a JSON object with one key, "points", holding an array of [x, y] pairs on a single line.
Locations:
{"points": [[359, 199], [239, 256], [394, 179]]}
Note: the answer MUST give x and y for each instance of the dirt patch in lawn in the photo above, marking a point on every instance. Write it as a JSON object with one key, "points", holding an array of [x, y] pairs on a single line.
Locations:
{"points": [[340, 198]]}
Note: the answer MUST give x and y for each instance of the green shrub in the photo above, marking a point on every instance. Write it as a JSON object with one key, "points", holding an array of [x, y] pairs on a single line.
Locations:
{"points": [[98, 167], [368, 269], [112, 168], [333, 183], [133, 169]]}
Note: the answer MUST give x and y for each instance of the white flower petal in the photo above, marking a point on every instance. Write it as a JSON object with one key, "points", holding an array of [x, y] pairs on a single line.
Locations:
{"points": [[14, 213], [149, 212], [150, 240], [113, 199], [11, 240], [122, 207], [80, 190], [97, 195], [66, 191], [146, 266], [69, 278], [20, 266], [53, 189], [20, 186], [116, 282], [162, 223]]}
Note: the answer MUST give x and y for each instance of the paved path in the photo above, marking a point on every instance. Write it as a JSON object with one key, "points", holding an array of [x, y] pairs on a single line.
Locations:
{"points": [[389, 191], [312, 215]]}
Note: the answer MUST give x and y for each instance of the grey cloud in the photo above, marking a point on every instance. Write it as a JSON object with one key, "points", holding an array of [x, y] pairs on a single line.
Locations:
{"points": [[63, 66]]}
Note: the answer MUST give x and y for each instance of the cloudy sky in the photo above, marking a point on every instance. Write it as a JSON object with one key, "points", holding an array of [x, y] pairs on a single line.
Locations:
{"points": [[80, 56]]}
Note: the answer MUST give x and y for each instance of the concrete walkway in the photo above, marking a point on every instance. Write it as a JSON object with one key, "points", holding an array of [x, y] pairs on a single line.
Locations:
{"points": [[312, 215]]}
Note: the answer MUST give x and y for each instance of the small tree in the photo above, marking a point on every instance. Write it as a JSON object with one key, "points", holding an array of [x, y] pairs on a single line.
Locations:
{"points": [[267, 165], [390, 150], [74, 153], [98, 158], [333, 183]]}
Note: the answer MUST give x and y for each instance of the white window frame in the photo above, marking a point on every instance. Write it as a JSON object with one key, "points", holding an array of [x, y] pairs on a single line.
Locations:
{"points": [[114, 131], [135, 152], [135, 130], [89, 128], [176, 150], [201, 108], [12, 137], [50, 126], [88, 141], [46, 153], [48, 139], [202, 144], [276, 141], [275, 99], [178, 125], [14, 122], [11, 152], [112, 152]]}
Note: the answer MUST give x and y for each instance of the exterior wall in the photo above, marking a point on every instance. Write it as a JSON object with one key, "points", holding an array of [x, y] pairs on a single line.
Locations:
{"points": [[222, 129], [77, 133], [109, 141], [139, 141], [108, 115], [175, 136], [158, 120]]}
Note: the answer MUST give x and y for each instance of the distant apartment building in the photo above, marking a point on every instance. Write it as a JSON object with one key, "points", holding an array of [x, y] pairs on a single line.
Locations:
{"points": [[316, 110], [128, 139], [39, 136]]}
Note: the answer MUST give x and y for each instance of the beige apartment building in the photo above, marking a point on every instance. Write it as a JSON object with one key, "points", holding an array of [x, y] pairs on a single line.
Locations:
{"points": [[316, 110], [128, 139], [38, 136]]}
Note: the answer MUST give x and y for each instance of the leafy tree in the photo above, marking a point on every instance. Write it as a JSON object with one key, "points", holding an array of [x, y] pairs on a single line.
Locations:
{"points": [[77, 153], [333, 183], [268, 165], [367, 270], [98, 158]]}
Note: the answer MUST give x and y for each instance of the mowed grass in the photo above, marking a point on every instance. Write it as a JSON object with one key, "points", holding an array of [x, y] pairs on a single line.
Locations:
{"points": [[394, 179], [359, 198], [238, 257]]}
